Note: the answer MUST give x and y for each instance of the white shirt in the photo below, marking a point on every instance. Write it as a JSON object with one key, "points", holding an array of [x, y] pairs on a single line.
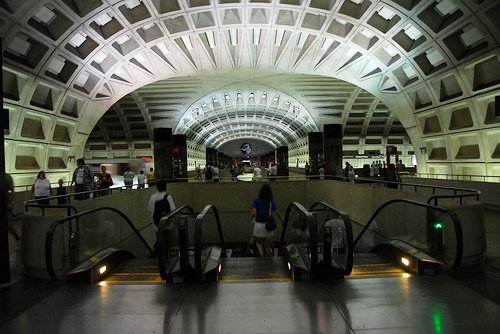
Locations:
{"points": [[215, 173], [79, 176], [42, 188], [141, 178], [156, 197]]}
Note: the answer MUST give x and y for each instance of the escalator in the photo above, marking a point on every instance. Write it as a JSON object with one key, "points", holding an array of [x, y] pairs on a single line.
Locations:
{"points": [[103, 245], [401, 236], [193, 250]]}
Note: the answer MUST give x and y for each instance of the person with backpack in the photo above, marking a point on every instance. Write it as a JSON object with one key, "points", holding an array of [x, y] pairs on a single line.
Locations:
{"points": [[160, 203]]}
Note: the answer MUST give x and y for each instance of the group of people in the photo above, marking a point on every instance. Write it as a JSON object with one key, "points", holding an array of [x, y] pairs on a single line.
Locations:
{"points": [[142, 179], [262, 207], [85, 184]]}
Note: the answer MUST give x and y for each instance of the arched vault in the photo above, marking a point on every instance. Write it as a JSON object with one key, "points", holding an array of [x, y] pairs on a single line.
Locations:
{"points": [[109, 72]]}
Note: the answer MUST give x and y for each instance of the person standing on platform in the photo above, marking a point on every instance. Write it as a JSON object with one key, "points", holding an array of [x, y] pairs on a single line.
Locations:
{"points": [[321, 172], [41, 189], [150, 176], [273, 172], [83, 180], [128, 179], [61, 191], [198, 173], [263, 206], [105, 182], [141, 180], [391, 175], [257, 173]]}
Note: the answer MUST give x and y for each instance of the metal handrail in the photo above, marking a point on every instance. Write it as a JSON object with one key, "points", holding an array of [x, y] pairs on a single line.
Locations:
{"points": [[49, 237], [160, 243], [69, 208], [198, 238], [313, 235], [454, 218], [348, 230]]}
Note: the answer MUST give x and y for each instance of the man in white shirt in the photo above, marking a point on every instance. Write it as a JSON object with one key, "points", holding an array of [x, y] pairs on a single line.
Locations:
{"points": [[161, 187], [160, 200], [141, 180]]}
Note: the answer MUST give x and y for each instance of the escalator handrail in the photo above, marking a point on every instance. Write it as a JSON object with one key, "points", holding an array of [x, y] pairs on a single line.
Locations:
{"points": [[313, 234], [160, 241], [456, 223], [49, 237], [348, 230], [198, 238]]}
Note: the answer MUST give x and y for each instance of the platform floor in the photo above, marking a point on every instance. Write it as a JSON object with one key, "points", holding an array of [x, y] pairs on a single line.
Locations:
{"points": [[416, 304], [467, 301]]}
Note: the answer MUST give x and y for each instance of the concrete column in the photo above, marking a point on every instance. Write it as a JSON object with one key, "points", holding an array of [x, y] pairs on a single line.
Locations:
{"points": [[282, 160], [163, 142], [211, 156], [4, 234], [316, 155], [179, 157], [333, 149]]}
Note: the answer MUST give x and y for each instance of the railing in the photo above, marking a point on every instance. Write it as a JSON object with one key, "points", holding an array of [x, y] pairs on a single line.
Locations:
{"points": [[335, 237], [458, 177], [432, 230], [208, 232], [299, 237], [70, 209], [72, 240], [169, 243]]}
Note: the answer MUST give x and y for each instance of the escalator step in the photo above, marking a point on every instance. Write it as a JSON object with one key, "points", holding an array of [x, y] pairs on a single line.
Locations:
{"points": [[244, 269]]}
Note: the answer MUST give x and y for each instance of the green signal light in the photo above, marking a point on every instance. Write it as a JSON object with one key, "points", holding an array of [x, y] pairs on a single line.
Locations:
{"points": [[438, 225]]}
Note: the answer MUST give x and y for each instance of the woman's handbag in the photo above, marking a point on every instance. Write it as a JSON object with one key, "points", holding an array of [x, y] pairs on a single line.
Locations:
{"points": [[270, 222]]}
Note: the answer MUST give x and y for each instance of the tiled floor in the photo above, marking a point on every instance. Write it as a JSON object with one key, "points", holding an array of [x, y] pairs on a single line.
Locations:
{"points": [[464, 302]]}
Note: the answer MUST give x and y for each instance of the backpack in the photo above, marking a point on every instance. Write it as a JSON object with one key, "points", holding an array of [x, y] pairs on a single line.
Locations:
{"points": [[162, 208], [208, 173]]}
